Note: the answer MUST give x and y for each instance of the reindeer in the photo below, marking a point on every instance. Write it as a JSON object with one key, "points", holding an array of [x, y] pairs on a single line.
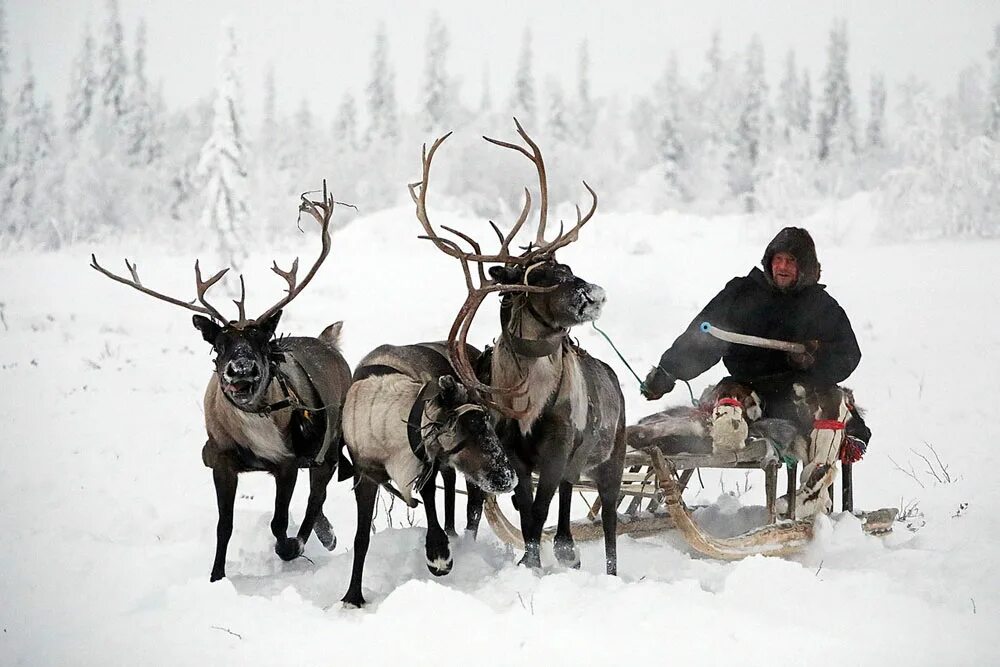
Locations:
{"points": [[407, 417], [271, 404], [562, 411]]}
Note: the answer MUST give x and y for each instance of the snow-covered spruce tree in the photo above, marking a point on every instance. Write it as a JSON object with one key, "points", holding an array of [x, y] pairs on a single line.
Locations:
{"points": [[302, 140], [222, 163], [969, 103], [23, 204], [875, 131], [141, 127], [557, 122], [836, 124], [522, 99], [83, 87], [379, 182], [667, 131], [267, 138], [805, 102], [436, 93], [788, 99], [715, 117], [993, 115], [383, 114], [345, 124], [910, 195], [111, 66], [749, 137], [586, 115], [485, 94]]}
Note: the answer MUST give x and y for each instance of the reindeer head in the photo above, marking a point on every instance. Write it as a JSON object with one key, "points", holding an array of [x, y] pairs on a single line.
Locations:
{"points": [[567, 300], [244, 348], [244, 357], [468, 440]]}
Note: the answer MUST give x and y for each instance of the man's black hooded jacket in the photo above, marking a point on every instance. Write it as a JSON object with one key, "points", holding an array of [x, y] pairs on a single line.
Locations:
{"points": [[753, 305]]}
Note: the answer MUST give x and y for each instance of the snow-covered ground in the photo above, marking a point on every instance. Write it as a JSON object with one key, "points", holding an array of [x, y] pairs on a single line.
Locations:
{"points": [[108, 519]]}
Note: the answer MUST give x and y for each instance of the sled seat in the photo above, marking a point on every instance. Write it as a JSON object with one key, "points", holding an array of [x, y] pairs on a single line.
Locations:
{"points": [[760, 454]]}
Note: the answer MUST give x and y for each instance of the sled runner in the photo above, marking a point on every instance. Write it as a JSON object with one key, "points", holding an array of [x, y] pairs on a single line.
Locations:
{"points": [[651, 501]]}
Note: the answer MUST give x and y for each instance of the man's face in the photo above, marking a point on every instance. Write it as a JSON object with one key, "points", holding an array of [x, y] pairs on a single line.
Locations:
{"points": [[784, 269]]}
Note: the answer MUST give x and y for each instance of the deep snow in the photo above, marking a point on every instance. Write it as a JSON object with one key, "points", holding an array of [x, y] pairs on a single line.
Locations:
{"points": [[107, 528]]}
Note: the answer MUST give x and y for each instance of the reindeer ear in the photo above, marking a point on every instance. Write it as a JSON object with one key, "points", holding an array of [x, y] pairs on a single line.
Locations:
{"points": [[269, 325], [506, 275], [209, 329], [452, 392]]}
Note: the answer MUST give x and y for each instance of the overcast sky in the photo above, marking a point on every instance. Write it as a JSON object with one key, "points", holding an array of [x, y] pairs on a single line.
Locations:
{"points": [[323, 47]]}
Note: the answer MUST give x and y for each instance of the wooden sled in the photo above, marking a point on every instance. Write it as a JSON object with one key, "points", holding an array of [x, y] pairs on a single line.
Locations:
{"points": [[651, 502]]}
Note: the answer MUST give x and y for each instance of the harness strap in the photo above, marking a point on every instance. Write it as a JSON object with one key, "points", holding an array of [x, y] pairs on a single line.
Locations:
{"points": [[731, 402], [829, 425], [414, 425], [373, 370], [534, 347]]}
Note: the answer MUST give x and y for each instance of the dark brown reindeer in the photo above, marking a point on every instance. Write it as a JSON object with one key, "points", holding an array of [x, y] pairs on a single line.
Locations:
{"points": [[563, 414], [273, 405]]}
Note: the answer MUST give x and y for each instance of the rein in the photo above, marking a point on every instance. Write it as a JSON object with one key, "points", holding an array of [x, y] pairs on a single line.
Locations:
{"points": [[642, 385]]}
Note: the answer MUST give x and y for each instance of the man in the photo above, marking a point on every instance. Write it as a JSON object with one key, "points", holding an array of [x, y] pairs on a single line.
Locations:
{"points": [[784, 301]]}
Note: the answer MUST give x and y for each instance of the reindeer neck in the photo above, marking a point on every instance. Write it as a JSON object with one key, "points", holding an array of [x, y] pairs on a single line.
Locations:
{"points": [[526, 333]]}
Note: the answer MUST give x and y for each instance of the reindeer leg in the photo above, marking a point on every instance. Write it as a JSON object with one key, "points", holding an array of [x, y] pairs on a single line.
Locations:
{"points": [[448, 478], [548, 482], [284, 482], [609, 484], [225, 496], [554, 439], [473, 509], [436, 548], [563, 546], [364, 495], [523, 503], [314, 519]]}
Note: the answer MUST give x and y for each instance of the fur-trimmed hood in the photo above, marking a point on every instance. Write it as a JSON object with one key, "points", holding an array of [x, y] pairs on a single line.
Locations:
{"points": [[799, 244]]}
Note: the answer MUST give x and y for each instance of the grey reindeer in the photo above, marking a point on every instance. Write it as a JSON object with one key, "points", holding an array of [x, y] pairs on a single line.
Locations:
{"points": [[406, 419], [562, 411], [271, 404]]}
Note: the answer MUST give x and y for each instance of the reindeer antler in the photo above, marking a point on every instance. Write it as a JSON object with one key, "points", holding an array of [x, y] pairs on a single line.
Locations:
{"points": [[542, 247], [322, 211], [202, 287], [458, 334]]}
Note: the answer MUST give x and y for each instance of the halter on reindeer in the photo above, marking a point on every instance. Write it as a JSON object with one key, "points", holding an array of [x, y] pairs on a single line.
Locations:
{"points": [[271, 404], [561, 411]]}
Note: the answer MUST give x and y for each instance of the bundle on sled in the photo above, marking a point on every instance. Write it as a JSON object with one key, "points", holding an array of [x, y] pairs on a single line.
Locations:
{"points": [[725, 430]]}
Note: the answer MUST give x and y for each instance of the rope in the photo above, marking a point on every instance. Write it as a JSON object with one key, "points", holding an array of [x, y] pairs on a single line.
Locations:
{"points": [[608, 338], [642, 385]]}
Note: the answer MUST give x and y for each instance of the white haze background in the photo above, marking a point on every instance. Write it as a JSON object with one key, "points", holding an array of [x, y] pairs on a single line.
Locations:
{"points": [[108, 529]]}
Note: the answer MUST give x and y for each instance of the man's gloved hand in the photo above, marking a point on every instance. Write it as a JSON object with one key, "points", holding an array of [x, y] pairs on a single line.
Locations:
{"points": [[657, 383], [804, 360]]}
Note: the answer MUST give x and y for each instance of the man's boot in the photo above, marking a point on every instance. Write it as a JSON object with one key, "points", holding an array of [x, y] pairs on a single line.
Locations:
{"points": [[819, 471], [727, 426]]}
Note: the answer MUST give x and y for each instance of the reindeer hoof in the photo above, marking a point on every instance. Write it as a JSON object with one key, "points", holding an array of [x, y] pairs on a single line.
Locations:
{"points": [[440, 566], [288, 548], [567, 554], [353, 601], [533, 561], [324, 532], [216, 575]]}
